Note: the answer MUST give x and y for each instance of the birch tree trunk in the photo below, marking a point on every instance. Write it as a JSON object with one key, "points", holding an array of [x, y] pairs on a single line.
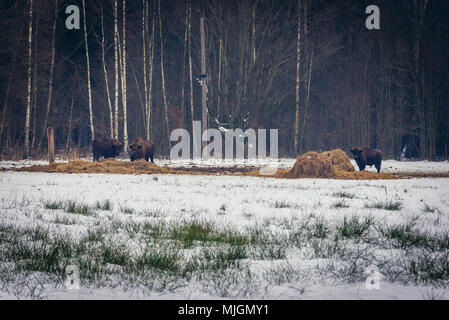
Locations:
{"points": [[184, 65], [28, 105], [111, 117], [125, 111], [192, 113], [163, 75], [151, 62], [116, 71], [144, 57], [298, 60], [89, 90], [220, 62], [34, 77]]}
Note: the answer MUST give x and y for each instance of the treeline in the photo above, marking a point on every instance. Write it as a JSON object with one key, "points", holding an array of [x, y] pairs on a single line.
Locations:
{"points": [[308, 68]]}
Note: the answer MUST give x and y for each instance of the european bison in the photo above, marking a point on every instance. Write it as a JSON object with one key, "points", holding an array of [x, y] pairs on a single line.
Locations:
{"points": [[106, 147], [141, 149], [365, 156]]}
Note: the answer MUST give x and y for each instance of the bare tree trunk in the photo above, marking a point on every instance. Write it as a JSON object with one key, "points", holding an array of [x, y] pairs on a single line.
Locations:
{"points": [[183, 100], [125, 111], [307, 102], [116, 71], [51, 144], [52, 68], [70, 129], [28, 105], [192, 113], [420, 9], [298, 60], [144, 57], [163, 75], [88, 74], [203, 79], [34, 107], [111, 117], [220, 62], [253, 38], [150, 89], [142, 103]]}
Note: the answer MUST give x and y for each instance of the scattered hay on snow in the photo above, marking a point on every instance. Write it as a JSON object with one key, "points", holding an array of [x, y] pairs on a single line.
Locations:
{"points": [[106, 166]]}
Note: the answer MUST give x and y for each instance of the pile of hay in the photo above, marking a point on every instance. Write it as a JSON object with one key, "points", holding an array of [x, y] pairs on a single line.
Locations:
{"points": [[329, 164], [339, 160], [311, 165]]}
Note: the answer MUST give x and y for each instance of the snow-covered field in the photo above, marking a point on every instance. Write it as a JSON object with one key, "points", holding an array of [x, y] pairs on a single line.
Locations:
{"points": [[213, 237]]}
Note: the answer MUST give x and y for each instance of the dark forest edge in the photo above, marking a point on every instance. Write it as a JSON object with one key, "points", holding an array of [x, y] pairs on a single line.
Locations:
{"points": [[385, 89]]}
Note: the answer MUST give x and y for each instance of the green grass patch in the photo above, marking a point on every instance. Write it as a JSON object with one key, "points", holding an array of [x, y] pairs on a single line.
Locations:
{"points": [[163, 259], [105, 205], [78, 208], [405, 236], [343, 194], [354, 227], [222, 257], [389, 205], [194, 232], [53, 205]]}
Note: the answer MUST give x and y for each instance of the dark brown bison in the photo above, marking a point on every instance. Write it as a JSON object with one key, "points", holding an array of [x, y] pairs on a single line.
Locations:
{"points": [[365, 156], [106, 147], [141, 149]]}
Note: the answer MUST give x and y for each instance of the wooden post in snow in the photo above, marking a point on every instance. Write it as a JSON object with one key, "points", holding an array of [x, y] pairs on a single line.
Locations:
{"points": [[203, 80], [51, 145]]}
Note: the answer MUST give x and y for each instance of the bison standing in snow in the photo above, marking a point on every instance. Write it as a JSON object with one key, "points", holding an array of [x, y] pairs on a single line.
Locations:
{"points": [[365, 156], [106, 147], [141, 149]]}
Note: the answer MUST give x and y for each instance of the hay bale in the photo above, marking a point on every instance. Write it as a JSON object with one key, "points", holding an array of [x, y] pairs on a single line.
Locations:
{"points": [[339, 160], [311, 165]]}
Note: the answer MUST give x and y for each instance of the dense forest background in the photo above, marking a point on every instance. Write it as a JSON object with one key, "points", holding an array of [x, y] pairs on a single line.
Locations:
{"points": [[344, 85]]}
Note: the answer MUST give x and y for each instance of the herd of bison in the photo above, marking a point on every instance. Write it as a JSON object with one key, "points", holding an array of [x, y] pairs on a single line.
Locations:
{"points": [[141, 148]]}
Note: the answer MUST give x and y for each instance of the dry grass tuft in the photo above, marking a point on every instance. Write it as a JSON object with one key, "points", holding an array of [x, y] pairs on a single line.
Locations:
{"points": [[106, 166]]}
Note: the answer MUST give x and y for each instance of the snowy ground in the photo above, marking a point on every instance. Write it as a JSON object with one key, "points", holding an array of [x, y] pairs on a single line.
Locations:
{"points": [[207, 237]]}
